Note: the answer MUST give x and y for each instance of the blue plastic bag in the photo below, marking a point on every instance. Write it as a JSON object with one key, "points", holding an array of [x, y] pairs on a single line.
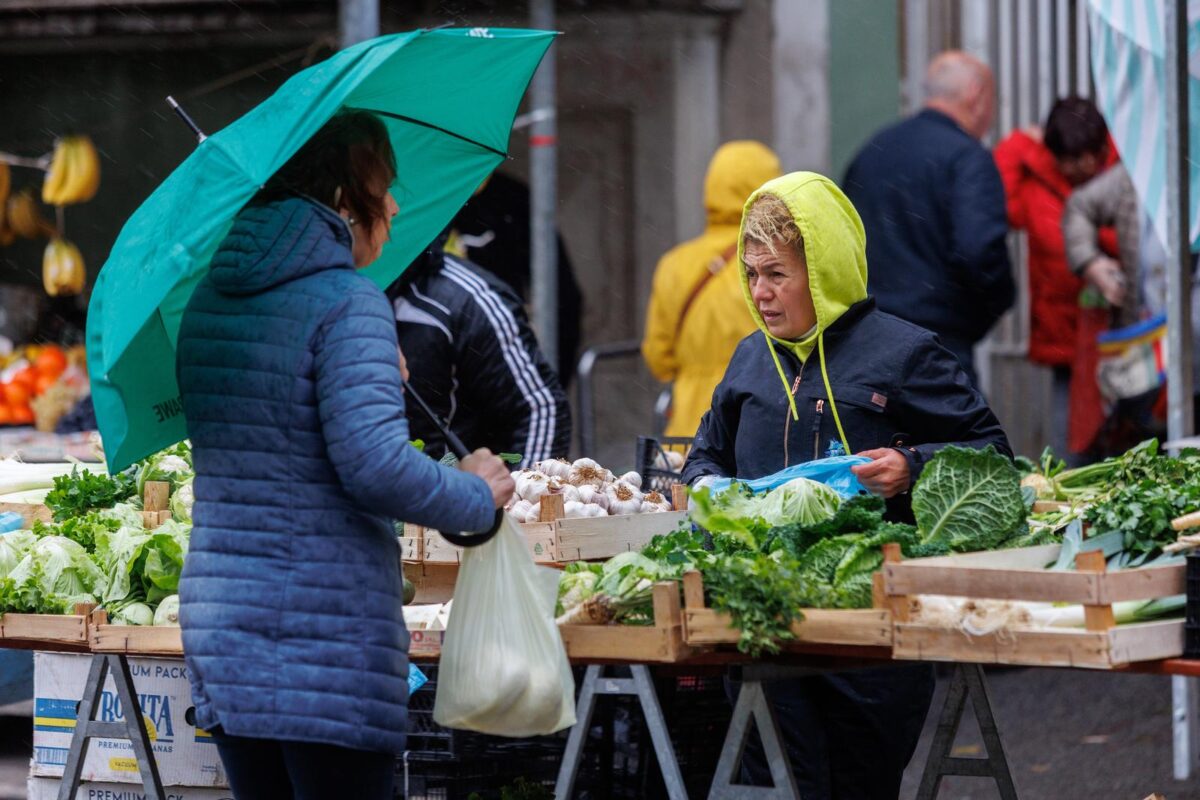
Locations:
{"points": [[833, 472]]}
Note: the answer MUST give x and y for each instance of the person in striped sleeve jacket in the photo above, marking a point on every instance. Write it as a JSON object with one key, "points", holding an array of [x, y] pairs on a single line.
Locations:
{"points": [[473, 357]]}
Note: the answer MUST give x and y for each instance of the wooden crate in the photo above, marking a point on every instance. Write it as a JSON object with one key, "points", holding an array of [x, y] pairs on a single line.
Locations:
{"points": [[434, 582], [557, 540], [135, 640], [638, 644], [1021, 575], [62, 629], [859, 627], [32, 512]]}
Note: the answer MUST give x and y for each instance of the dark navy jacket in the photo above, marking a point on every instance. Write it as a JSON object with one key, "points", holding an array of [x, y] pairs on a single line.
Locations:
{"points": [[291, 593], [893, 383], [932, 204]]}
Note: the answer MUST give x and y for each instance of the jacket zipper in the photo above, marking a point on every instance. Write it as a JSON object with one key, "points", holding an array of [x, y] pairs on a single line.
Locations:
{"points": [[816, 428], [787, 419]]}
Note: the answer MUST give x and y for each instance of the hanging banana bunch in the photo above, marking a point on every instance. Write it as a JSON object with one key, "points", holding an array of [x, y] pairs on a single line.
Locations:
{"points": [[7, 234], [24, 216], [62, 268], [74, 174]]}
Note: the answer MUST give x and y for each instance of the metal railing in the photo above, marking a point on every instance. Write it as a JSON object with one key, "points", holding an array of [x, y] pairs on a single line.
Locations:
{"points": [[585, 389]]}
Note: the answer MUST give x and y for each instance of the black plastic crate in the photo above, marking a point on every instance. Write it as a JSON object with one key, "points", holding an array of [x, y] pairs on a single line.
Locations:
{"points": [[1191, 640], [1193, 590], [429, 741], [653, 464], [485, 778]]}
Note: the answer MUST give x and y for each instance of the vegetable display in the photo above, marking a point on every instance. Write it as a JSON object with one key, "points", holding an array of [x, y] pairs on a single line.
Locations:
{"points": [[766, 557], [98, 551], [1135, 495]]}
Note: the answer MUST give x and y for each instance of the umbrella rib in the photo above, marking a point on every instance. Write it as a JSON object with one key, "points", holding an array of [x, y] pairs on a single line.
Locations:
{"points": [[438, 128]]}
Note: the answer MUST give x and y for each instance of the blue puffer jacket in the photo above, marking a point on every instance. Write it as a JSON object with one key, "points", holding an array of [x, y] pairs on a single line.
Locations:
{"points": [[291, 596]]}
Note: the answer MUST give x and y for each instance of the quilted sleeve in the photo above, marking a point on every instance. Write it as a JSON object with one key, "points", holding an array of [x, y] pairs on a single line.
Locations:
{"points": [[360, 401]]}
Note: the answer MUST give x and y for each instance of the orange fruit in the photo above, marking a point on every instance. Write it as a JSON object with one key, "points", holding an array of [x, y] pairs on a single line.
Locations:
{"points": [[51, 360], [17, 393], [6, 415], [44, 381], [22, 415], [27, 377]]}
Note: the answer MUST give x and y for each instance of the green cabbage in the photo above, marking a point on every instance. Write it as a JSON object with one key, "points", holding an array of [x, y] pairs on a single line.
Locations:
{"points": [[13, 547], [968, 499], [124, 513], [181, 502], [54, 575], [799, 500], [173, 464]]}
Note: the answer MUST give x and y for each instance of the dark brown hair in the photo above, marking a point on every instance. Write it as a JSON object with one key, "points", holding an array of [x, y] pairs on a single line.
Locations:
{"points": [[351, 152], [1075, 127]]}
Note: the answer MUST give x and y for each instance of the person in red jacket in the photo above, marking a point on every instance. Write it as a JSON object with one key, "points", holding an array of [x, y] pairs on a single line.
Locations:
{"points": [[1039, 170]]}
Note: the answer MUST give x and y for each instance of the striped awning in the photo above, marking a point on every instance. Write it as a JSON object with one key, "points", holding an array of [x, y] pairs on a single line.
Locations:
{"points": [[1128, 65]]}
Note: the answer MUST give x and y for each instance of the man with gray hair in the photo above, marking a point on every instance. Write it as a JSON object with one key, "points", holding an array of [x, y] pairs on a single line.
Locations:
{"points": [[932, 203]]}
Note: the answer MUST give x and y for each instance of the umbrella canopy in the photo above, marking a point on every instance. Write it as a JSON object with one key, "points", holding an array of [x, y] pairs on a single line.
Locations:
{"points": [[1128, 64], [447, 97]]}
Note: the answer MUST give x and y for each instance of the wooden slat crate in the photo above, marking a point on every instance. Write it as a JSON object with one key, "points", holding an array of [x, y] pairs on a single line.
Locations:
{"points": [[639, 644], [137, 640], [64, 629], [661, 642], [1021, 575], [860, 627], [434, 582], [32, 512], [557, 540]]}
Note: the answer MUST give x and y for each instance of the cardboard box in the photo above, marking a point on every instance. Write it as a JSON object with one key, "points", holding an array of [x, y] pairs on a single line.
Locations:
{"points": [[47, 789], [186, 754]]}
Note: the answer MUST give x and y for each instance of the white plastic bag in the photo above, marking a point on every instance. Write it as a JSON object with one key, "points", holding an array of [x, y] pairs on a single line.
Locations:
{"points": [[504, 669]]}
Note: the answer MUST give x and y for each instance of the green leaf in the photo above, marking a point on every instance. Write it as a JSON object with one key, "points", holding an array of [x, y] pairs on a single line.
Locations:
{"points": [[78, 493], [968, 499]]}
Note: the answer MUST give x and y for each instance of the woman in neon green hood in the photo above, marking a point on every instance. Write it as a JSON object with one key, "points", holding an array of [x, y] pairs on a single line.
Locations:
{"points": [[827, 373]]}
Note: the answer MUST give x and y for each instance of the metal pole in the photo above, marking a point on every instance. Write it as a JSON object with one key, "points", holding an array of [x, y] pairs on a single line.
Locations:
{"points": [[1179, 275], [543, 154], [1179, 305], [358, 20], [916, 52]]}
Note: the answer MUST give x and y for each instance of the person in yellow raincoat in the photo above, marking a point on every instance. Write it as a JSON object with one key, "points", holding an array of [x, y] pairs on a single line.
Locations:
{"points": [[696, 315]]}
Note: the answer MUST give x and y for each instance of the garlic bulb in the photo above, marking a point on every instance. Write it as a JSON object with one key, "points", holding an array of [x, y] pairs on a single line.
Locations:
{"points": [[520, 510], [675, 459], [554, 467], [586, 472], [535, 512], [633, 479], [531, 485], [591, 494], [574, 509], [623, 499], [653, 502], [591, 510], [569, 493]]}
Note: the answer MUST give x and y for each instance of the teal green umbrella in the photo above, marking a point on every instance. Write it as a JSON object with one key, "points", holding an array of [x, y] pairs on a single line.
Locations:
{"points": [[448, 98]]}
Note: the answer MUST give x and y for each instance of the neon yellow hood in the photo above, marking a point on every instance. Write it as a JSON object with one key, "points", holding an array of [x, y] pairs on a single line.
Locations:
{"points": [[835, 249]]}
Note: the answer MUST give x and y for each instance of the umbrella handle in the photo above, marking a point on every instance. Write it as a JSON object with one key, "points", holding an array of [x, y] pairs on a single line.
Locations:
{"points": [[456, 446]]}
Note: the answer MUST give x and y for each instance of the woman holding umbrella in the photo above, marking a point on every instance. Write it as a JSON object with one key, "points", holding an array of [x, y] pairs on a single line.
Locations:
{"points": [[289, 378]]}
